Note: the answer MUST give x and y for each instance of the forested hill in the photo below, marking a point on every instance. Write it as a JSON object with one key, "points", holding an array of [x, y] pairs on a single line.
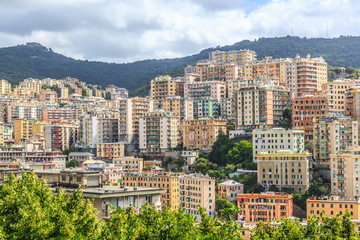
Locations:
{"points": [[36, 61]]}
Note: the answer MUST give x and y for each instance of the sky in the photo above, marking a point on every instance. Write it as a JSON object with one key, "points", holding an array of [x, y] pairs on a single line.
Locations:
{"points": [[132, 30]]}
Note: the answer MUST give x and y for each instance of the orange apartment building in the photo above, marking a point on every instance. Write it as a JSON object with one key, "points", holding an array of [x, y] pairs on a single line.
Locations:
{"points": [[305, 109], [165, 181], [337, 92], [264, 206], [202, 133], [110, 151], [164, 86], [352, 104], [57, 114], [48, 95]]}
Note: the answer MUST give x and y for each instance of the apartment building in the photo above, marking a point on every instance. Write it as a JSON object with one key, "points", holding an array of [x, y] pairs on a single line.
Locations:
{"points": [[47, 95], [162, 87], [29, 87], [332, 206], [21, 111], [230, 190], [202, 133], [158, 132], [337, 92], [331, 135], [119, 93], [110, 151], [25, 128], [197, 189], [285, 169], [206, 108], [64, 92], [344, 173], [352, 104], [2, 128], [99, 127], [266, 206], [164, 181], [305, 109], [259, 106], [276, 139], [129, 163], [238, 57], [189, 156], [61, 136], [209, 89], [179, 107], [5, 87], [58, 114], [130, 111], [150, 164], [81, 157]]}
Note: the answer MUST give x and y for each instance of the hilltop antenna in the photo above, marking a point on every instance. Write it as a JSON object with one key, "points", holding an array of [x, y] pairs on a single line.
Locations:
{"points": [[292, 31], [327, 33]]}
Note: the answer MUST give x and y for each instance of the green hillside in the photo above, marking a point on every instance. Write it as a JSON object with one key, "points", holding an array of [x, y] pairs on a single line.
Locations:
{"points": [[19, 62]]}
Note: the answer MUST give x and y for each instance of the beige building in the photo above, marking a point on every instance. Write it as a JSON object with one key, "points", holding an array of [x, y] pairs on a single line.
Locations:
{"points": [[179, 107], [333, 206], [2, 129], [61, 136], [345, 174], [332, 135], [110, 151], [237, 57], [336, 91], [199, 90], [259, 106], [25, 128], [202, 133], [48, 95], [162, 87], [158, 132], [167, 182], [230, 190], [130, 111], [352, 104], [285, 169], [5, 87], [129, 163], [64, 92], [276, 139], [197, 189]]}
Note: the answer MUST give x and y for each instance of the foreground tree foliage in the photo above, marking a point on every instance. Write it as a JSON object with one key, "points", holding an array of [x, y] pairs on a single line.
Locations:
{"points": [[329, 228], [29, 209]]}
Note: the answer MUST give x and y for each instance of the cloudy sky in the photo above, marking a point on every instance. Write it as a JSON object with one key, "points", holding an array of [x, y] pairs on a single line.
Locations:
{"points": [[130, 30]]}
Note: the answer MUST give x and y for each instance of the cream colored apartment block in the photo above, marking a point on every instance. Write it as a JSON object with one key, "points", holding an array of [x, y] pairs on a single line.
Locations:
{"points": [[202, 133], [199, 90], [331, 136], [197, 189], [64, 92], [130, 111], [110, 151], [2, 134], [336, 92], [259, 106], [179, 107], [129, 163], [25, 128], [230, 190], [344, 173], [158, 132], [276, 139], [235, 56], [162, 87], [168, 182], [5, 87], [285, 169]]}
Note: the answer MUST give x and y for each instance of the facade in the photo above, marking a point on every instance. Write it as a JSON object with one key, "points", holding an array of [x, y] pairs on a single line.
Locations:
{"points": [[162, 87], [352, 104], [202, 133], [2, 128], [259, 106], [110, 151], [178, 106], [48, 95], [152, 164], [199, 90], [237, 57], [5, 87], [264, 207], [277, 139], [167, 182], [331, 135], [25, 128], [130, 111], [230, 190], [197, 189], [337, 91], [129, 163], [189, 156], [285, 169], [119, 94], [57, 114], [305, 109], [61, 136], [345, 174], [158, 132], [80, 157], [333, 206], [206, 108]]}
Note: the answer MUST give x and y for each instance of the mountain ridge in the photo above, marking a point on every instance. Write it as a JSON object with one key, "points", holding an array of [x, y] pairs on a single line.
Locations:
{"points": [[36, 61]]}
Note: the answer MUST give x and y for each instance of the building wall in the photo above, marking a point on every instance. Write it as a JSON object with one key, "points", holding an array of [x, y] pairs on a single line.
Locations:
{"points": [[333, 207]]}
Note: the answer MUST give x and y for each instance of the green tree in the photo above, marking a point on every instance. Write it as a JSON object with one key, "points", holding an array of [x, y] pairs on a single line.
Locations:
{"points": [[286, 120], [274, 188], [225, 208], [72, 163], [258, 188], [350, 70], [309, 146], [107, 96], [241, 152], [201, 165], [30, 210]]}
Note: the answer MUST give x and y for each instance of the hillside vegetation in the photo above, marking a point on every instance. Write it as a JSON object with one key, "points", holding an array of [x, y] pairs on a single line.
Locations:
{"points": [[19, 62]]}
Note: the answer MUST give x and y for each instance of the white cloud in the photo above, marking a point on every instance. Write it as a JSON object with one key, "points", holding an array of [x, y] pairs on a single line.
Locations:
{"points": [[123, 31]]}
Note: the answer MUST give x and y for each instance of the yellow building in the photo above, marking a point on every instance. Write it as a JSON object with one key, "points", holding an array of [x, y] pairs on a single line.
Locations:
{"points": [[152, 163], [110, 151], [230, 190], [285, 169], [179, 107], [333, 206], [129, 163], [336, 92], [5, 87], [202, 133], [168, 182], [162, 87], [25, 128], [344, 172], [238, 57]]}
